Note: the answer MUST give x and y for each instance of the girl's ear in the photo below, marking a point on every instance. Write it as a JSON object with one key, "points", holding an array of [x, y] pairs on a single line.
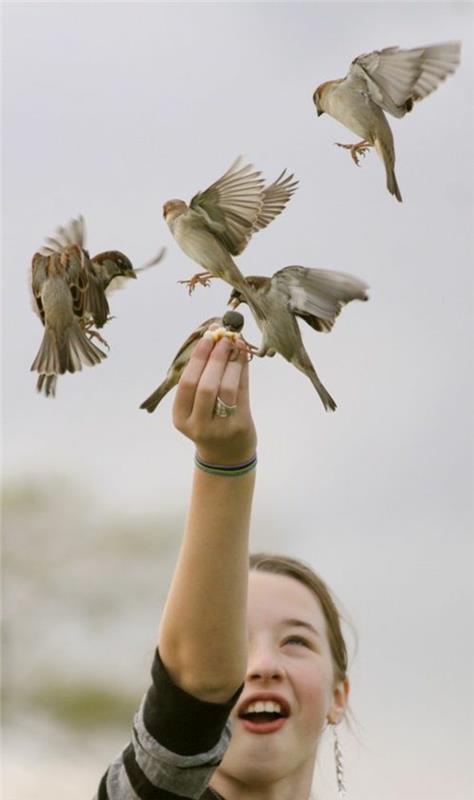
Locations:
{"points": [[340, 701]]}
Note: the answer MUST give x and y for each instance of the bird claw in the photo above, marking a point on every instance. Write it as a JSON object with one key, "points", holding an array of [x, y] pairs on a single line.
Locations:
{"points": [[201, 278], [356, 150], [250, 349], [361, 151], [93, 334]]}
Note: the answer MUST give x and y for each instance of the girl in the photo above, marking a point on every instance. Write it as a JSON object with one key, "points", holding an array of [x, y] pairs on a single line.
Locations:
{"points": [[259, 653]]}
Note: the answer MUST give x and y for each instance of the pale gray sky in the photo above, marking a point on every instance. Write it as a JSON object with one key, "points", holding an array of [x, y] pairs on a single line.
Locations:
{"points": [[111, 109]]}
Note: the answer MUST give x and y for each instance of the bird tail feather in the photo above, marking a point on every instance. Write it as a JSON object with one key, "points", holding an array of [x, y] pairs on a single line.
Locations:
{"points": [[156, 397], [46, 384], [388, 157], [68, 355], [326, 399], [303, 363], [392, 184]]}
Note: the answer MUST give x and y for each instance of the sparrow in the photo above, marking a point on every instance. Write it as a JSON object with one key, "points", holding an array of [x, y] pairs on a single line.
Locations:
{"points": [[314, 295], [60, 283], [391, 80], [231, 321], [97, 277], [219, 221]]}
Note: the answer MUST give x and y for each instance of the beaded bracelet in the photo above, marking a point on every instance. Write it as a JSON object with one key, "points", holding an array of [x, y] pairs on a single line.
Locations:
{"points": [[232, 471]]}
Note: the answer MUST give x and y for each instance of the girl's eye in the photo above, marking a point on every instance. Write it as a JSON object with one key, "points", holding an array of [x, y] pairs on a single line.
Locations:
{"points": [[297, 640]]}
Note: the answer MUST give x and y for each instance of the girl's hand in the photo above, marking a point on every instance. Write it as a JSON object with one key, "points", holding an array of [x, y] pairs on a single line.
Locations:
{"points": [[216, 370]]}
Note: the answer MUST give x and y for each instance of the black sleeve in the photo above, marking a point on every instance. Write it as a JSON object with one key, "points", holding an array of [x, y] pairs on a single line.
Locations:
{"points": [[179, 721]]}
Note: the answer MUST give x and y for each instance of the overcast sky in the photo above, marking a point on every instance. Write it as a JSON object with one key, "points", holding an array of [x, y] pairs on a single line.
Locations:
{"points": [[112, 109]]}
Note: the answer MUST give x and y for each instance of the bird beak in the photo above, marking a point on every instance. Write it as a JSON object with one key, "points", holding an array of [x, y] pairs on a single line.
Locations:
{"points": [[132, 274], [319, 112], [234, 303]]}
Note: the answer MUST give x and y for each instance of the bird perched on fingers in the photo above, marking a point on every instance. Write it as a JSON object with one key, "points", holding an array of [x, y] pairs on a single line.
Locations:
{"points": [[314, 295], [391, 80], [232, 321], [219, 222]]}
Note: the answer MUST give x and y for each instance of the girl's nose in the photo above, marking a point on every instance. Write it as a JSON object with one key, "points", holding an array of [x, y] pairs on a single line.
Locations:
{"points": [[264, 664]]}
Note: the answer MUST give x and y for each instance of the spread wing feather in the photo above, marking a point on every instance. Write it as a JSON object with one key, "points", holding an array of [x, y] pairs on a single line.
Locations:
{"points": [[230, 206], [238, 204], [396, 78], [318, 295], [72, 233], [275, 197]]}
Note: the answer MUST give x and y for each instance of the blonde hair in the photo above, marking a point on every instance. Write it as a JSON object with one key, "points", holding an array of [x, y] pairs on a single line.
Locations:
{"points": [[294, 568]]}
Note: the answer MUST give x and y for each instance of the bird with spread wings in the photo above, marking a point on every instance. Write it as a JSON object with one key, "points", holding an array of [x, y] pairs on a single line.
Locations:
{"points": [[390, 80]]}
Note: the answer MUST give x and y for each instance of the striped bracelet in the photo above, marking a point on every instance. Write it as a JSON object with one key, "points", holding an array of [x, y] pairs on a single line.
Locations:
{"points": [[232, 471]]}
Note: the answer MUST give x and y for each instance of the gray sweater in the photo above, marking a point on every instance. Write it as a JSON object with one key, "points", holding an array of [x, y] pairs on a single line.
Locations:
{"points": [[177, 743]]}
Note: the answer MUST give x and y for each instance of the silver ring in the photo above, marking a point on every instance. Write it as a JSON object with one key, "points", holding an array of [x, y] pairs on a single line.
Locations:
{"points": [[223, 409]]}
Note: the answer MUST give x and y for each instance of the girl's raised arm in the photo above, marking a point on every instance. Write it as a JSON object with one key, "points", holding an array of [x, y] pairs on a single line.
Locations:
{"points": [[203, 638]]}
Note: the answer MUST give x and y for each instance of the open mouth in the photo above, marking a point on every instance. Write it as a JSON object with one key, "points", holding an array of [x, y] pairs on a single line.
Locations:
{"points": [[263, 716]]}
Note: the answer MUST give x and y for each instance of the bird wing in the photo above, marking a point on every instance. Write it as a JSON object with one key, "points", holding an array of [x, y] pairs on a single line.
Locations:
{"points": [[153, 261], [194, 337], [231, 205], [72, 233], [275, 197], [95, 301], [39, 273], [394, 77], [79, 275], [72, 265], [318, 295]]}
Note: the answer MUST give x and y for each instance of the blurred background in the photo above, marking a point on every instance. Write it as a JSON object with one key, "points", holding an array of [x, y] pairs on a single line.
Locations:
{"points": [[110, 110]]}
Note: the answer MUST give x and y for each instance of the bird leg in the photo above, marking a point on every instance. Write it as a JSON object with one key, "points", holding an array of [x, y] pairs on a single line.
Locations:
{"points": [[260, 352], [93, 334], [252, 350], [202, 278], [358, 149], [248, 348]]}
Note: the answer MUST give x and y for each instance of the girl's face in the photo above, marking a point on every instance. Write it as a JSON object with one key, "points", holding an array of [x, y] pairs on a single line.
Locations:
{"points": [[290, 670]]}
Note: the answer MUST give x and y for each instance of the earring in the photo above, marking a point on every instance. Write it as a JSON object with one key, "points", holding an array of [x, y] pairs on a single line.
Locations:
{"points": [[341, 789]]}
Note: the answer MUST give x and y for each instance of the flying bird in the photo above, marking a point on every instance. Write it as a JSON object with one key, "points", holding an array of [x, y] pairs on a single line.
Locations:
{"points": [[391, 80], [60, 285], [218, 223], [231, 321], [315, 295], [88, 281]]}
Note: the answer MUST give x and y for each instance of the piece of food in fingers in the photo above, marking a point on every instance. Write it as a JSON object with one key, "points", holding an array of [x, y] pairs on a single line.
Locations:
{"points": [[218, 327], [231, 327]]}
